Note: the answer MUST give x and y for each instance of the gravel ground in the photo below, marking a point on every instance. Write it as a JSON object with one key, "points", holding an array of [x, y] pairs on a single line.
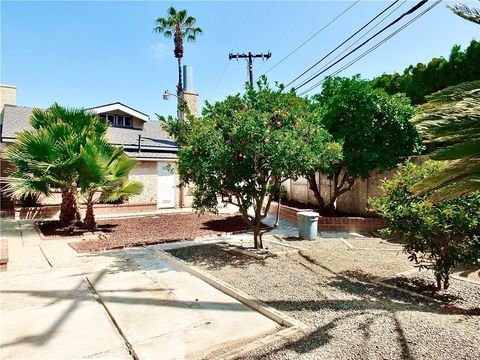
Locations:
{"points": [[332, 289], [137, 231]]}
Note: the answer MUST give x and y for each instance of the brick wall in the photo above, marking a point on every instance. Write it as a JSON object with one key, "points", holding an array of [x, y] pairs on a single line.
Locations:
{"points": [[360, 224], [51, 211]]}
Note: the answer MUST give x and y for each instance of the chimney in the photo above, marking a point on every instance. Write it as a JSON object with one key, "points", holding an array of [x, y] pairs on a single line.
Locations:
{"points": [[8, 95], [188, 94]]}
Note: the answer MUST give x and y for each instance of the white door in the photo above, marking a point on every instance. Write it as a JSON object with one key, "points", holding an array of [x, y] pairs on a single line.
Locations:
{"points": [[165, 187]]}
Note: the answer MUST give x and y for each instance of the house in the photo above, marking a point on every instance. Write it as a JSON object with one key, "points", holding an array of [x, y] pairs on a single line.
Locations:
{"points": [[142, 139]]}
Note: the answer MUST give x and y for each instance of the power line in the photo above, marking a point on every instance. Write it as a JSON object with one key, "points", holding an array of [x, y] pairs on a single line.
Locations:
{"points": [[361, 37], [237, 37], [413, 9], [285, 29], [343, 43], [219, 79], [373, 47], [311, 37]]}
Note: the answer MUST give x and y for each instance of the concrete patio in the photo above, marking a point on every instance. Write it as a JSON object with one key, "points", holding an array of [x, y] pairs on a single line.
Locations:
{"points": [[123, 304]]}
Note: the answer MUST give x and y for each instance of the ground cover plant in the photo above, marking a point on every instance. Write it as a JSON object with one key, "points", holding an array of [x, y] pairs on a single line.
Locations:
{"points": [[244, 147], [373, 128], [438, 236]]}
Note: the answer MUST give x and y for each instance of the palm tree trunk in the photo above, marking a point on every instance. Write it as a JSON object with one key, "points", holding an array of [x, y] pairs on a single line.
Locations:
{"points": [[179, 85], [89, 220], [68, 209]]}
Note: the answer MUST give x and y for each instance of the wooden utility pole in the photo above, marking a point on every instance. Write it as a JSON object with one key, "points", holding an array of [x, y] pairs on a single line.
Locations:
{"points": [[250, 57]]}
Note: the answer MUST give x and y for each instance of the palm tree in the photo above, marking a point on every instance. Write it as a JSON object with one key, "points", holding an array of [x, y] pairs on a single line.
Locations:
{"points": [[104, 175], [48, 157], [466, 12], [450, 120], [181, 26]]}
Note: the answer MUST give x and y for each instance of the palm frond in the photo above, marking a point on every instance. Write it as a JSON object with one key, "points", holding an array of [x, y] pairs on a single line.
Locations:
{"points": [[451, 121], [466, 12]]}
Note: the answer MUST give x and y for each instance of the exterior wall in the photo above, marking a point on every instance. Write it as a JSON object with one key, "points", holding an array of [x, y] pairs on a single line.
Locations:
{"points": [[146, 173], [8, 95]]}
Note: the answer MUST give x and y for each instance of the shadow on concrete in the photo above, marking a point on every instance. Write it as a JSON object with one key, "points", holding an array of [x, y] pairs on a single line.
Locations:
{"points": [[81, 293]]}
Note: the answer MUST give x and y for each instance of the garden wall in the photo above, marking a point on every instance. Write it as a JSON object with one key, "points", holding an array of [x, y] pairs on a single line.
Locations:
{"points": [[353, 202], [360, 224]]}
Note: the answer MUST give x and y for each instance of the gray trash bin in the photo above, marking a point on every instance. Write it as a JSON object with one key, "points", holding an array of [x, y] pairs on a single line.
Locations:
{"points": [[307, 225]]}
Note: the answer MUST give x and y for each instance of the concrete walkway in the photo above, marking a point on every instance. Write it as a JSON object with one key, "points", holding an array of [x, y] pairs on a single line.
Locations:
{"points": [[124, 304]]}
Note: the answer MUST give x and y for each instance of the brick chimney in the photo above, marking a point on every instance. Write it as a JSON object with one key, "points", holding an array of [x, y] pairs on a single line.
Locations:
{"points": [[188, 94], [8, 95]]}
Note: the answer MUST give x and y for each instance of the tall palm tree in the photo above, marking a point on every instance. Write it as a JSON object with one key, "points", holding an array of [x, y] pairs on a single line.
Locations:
{"points": [[104, 175], [451, 121], [48, 157], [181, 26], [467, 12]]}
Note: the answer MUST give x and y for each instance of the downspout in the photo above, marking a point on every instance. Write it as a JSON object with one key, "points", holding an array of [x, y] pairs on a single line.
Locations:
{"points": [[140, 143]]}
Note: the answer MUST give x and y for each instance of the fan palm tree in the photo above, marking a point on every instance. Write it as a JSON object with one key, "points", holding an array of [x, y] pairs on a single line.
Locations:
{"points": [[104, 175], [48, 157], [466, 12], [181, 26], [450, 120]]}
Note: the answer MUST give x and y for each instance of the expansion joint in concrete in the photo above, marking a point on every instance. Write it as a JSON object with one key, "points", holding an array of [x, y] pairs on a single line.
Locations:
{"points": [[97, 296]]}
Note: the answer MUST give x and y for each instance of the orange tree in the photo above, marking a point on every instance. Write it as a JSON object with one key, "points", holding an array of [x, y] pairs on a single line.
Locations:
{"points": [[373, 128], [244, 147]]}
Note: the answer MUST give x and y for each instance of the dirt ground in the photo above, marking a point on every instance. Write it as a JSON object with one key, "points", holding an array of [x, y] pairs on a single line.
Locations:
{"points": [[138, 231], [361, 299]]}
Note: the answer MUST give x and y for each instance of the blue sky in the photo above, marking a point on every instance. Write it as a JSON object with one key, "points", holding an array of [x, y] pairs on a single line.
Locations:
{"points": [[90, 53]]}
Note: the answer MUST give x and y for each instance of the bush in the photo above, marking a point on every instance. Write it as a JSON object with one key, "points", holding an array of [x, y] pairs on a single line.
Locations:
{"points": [[438, 236]]}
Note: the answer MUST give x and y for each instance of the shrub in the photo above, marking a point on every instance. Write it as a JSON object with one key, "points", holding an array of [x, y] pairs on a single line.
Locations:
{"points": [[438, 236]]}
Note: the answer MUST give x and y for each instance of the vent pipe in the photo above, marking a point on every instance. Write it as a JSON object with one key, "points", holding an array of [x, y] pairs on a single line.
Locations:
{"points": [[188, 78]]}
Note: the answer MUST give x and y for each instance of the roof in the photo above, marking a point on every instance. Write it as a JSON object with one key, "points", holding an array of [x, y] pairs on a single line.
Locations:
{"points": [[155, 143], [122, 107]]}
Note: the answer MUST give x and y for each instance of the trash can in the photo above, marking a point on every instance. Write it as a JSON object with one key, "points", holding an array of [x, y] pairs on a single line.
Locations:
{"points": [[307, 225]]}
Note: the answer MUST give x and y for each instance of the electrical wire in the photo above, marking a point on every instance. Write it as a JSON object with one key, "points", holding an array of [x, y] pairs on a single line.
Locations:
{"points": [[311, 37], [413, 9], [373, 47], [294, 16], [343, 43], [361, 37]]}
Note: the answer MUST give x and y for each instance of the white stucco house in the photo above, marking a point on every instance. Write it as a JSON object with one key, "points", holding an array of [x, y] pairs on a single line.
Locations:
{"points": [[142, 139]]}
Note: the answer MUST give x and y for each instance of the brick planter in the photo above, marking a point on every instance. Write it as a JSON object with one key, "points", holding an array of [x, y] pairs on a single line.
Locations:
{"points": [[362, 224], [50, 211]]}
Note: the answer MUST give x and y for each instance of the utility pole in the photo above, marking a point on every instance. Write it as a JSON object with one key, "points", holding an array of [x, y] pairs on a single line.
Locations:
{"points": [[250, 57]]}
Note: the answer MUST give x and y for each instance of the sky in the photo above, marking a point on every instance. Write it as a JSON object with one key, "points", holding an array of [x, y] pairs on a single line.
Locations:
{"points": [[85, 54]]}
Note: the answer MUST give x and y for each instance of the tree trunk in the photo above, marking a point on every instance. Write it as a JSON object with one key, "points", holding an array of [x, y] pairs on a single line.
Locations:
{"points": [[257, 238], [312, 182], [69, 213], [89, 220], [179, 85]]}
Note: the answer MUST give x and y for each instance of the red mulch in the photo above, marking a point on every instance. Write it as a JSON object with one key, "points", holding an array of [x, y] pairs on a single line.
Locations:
{"points": [[148, 230]]}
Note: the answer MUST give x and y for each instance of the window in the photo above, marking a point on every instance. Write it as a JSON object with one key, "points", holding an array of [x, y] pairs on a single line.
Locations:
{"points": [[111, 119], [117, 120], [120, 120]]}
